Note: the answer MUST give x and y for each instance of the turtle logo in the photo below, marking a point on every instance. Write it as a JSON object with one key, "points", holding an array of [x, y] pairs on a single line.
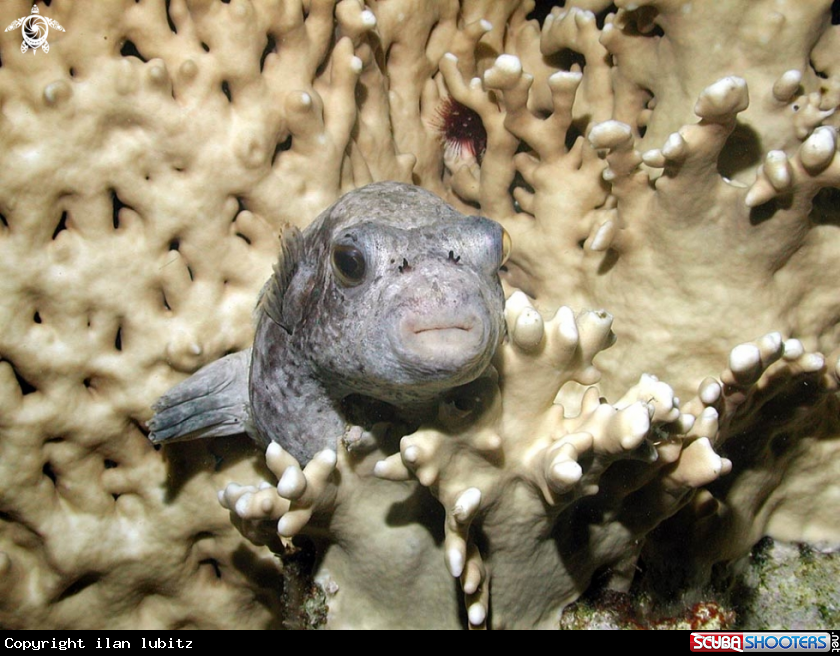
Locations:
{"points": [[34, 29]]}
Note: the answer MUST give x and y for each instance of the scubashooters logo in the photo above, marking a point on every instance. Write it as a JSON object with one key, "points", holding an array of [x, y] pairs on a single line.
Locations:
{"points": [[34, 29], [765, 641]]}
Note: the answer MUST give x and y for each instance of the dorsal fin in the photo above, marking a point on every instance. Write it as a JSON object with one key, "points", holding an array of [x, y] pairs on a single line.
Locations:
{"points": [[270, 300]]}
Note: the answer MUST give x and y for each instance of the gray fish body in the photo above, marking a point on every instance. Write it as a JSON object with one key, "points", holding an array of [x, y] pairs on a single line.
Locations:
{"points": [[390, 296]]}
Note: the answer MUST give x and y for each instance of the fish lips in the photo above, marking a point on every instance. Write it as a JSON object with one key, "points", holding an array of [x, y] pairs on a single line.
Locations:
{"points": [[456, 344]]}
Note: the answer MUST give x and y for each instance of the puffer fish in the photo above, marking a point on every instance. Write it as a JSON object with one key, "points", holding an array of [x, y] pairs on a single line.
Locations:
{"points": [[389, 299]]}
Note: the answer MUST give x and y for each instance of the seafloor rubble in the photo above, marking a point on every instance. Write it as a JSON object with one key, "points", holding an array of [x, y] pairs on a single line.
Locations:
{"points": [[667, 395]]}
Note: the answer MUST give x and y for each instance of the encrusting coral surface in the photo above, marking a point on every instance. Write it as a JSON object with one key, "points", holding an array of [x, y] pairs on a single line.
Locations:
{"points": [[667, 170]]}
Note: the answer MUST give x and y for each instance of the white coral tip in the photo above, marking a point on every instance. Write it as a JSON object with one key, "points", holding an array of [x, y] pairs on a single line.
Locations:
{"points": [[812, 362], [582, 16], [488, 442], [709, 414], [565, 473], [327, 457], [411, 455], [529, 329], [292, 484], [685, 423], [787, 85], [466, 505], [771, 344], [390, 469], [477, 614], [637, 427], [706, 424], [744, 358], [793, 349], [455, 558], [725, 97], [567, 326], [709, 391], [562, 79], [818, 150], [229, 495], [243, 504], [610, 134], [663, 394], [654, 158], [504, 73], [699, 464], [777, 169], [286, 527], [509, 64], [675, 148], [604, 236]]}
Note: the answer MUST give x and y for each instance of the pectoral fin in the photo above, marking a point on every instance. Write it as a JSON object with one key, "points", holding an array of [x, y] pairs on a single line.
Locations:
{"points": [[213, 402]]}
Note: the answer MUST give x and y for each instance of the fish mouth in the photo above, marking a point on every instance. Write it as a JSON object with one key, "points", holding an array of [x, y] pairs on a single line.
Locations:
{"points": [[442, 340], [442, 327], [444, 336], [434, 351]]}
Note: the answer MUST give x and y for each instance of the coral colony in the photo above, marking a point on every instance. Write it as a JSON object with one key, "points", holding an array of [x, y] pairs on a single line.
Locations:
{"points": [[667, 392]]}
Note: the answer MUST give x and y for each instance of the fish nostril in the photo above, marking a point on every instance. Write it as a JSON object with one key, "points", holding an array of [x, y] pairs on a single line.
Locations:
{"points": [[453, 258], [404, 266]]}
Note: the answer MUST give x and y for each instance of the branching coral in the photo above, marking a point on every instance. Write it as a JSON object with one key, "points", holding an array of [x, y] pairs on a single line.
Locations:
{"points": [[673, 162], [569, 490], [684, 220]]}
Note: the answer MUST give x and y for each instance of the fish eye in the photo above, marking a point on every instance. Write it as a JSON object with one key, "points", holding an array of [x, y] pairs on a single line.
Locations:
{"points": [[348, 263], [507, 246]]}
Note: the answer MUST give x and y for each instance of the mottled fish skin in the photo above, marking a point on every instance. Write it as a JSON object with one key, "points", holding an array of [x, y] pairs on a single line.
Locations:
{"points": [[390, 294]]}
